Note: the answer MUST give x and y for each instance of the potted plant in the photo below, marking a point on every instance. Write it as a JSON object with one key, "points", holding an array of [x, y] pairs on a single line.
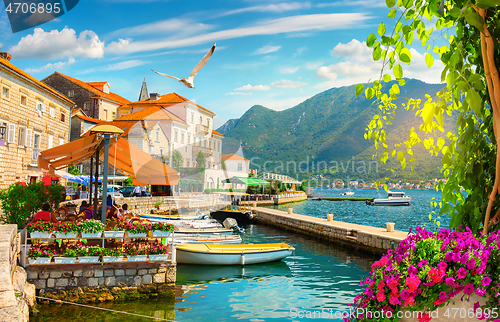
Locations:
{"points": [[138, 229], [112, 255], [158, 252], [40, 229], [114, 230], [89, 254], [429, 271], [66, 229], [136, 253], [161, 229], [69, 256], [91, 228], [39, 254]]}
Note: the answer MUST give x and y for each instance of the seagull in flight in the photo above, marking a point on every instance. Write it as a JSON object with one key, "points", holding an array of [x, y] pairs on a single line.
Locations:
{"points": [[189, 81]]}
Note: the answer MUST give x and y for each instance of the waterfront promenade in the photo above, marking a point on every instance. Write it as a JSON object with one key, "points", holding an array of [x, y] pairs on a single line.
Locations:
{"points": [[365, 238]]}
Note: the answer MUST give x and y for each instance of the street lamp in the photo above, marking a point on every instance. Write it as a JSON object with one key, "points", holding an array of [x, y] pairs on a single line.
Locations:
{"points": [[105, 131]]}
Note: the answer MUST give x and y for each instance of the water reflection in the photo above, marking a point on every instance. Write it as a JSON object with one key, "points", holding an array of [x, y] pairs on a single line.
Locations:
{"points": [[318, 276]]}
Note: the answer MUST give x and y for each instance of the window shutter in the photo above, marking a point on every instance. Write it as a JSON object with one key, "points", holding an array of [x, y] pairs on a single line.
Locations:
{"points": [[52, 112], [51, 142], [11, 135], [29, 137]]}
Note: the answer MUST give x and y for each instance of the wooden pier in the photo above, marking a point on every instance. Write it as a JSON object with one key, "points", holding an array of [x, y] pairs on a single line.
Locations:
{"points": [[366, 238]]}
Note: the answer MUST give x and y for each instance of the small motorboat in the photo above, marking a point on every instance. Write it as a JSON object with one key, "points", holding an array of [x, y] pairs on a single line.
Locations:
{"points": [[202, 231], [209, 239], [394, 198], [347, 193], [242, 215], [244, 254]]}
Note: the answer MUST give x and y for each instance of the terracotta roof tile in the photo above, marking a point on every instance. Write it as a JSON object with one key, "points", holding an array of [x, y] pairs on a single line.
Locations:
{"points": [[158, 112], [112, 96], [172, 98], [88, 119], [233, 157], [17, 70], [217, 133]]}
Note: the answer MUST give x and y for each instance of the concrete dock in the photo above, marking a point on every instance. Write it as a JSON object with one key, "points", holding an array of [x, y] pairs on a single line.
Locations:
{"points": [[366, 238]]}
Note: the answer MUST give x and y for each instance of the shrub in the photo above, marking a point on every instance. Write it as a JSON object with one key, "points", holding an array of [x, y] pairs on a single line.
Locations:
{"points": [[41, 226], [134, 250], [38, 250], [162, 226], [66, 227], [139, 227], [90, 251], [112, 252], [90, 226], [157, 249], [70, 252]]}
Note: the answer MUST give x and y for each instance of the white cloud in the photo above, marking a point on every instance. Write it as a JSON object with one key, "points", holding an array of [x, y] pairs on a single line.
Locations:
{"points": [[266, 50], [357, 66], [359, 3], [175, 26], [239, 93], [299, 51], [289, 70], [250, 88], [301, 23], [118, 66], [278, 7], [117, 46], [312, 65], [288, 84], [54, 66], [58, 44]]}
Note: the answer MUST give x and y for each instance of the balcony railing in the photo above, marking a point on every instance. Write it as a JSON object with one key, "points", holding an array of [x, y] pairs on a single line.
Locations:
{"points": [[36, 153], [206, 151], [202, 129]]}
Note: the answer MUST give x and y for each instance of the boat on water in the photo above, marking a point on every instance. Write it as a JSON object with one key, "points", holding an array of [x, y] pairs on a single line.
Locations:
{"points": [[179, 232], [347, 193], [243, 215], [244, 254], [158, 217], [182, 223], [394, 198], [208, 239]]}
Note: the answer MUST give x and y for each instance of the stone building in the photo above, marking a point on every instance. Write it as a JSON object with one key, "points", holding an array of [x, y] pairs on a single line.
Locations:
{"points": [[93, 98], [80, 123], [33, 117]]}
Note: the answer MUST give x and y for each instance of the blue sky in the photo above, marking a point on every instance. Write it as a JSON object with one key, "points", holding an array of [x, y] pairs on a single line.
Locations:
{"points": [[272, 53]]}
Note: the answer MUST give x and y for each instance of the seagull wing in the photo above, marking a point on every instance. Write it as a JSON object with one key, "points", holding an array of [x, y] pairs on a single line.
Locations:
{"points": [[202, 62], [166, 75]]}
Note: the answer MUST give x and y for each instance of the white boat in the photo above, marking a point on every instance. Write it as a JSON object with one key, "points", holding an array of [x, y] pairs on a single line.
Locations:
{"points": [[179, 232], [208, 239], [244, 254], [183, 222], [157, 218], [347, 193], [394, 198]]}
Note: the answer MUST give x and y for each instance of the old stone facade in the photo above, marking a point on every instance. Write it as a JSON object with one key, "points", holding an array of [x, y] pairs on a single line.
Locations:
{"points": [[33, 117], [94, 99]]}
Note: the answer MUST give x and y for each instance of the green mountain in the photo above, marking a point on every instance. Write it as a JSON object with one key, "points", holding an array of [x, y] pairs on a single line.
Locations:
{"points": [[327, 127]]}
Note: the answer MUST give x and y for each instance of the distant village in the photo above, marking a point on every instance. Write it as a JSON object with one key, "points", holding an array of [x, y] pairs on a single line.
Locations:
{"points": [[400, 185]]}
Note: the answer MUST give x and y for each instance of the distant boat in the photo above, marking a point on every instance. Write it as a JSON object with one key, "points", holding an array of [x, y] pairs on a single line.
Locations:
{"points": [[243, 254], [208, 239], [347, 193], [394, 198]]}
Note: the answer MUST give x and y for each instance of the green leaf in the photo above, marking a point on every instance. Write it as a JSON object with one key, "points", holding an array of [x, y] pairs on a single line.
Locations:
{"points": [[381, 29], [392, 13], [429, 60], [387, 78], [485, 4], [405, 56], [390, 3], [359, 89], [377, 53], [398, 27], [474, 19], [369, 92], [371, 40], [398, 71], [474, 101]]}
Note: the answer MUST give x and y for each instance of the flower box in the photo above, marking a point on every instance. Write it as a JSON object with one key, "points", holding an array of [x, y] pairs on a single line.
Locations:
{"points": [[114, 234], [139, 235], [138, 258], [65, 260], [41, 234], [40, 261], [112, 259], [88, 259], [160, 233], [65, 235], [92, 235], [159, 257]]}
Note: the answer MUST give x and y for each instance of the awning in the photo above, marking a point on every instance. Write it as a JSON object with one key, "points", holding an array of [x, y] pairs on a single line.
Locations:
{"points": [[68, 176], [249, 181], [123, 156]]}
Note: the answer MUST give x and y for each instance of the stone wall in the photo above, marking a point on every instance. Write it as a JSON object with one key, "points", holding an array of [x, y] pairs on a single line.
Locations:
{"points": [[85, 283], [16, 294], [345, 235]]}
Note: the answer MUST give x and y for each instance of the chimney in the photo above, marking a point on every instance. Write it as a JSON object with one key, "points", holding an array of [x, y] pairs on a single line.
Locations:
{"points": [[5, 56], [154, 96]]}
